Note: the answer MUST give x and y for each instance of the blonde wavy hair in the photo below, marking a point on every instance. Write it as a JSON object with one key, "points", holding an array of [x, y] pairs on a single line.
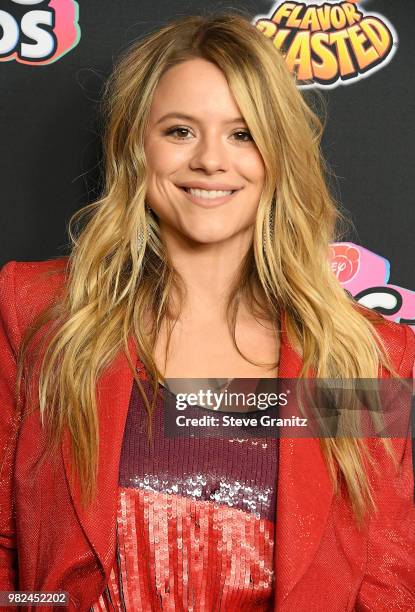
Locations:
{"points": [[118, 267]]}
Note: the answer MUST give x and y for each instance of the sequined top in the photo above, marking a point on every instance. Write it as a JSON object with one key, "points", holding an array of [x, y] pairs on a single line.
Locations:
{"points": [[195, 521]]}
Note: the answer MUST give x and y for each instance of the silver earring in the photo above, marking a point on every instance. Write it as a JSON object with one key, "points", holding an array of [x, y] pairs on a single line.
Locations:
{"points": [[140, 239], [271, 219]]}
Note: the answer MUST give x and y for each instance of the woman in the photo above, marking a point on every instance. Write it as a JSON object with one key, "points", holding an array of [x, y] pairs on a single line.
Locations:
{"points": [[206, 256]]}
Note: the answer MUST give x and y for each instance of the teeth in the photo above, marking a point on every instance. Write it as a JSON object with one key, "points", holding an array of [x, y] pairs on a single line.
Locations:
{"points": [[209, 195]]}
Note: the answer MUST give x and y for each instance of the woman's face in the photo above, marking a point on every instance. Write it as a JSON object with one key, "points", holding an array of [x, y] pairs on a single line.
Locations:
{"points": [[202, 147]]}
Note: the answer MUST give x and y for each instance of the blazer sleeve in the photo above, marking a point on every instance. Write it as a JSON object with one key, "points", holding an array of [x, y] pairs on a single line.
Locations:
{"points": [[389, 579], [8, 428]]}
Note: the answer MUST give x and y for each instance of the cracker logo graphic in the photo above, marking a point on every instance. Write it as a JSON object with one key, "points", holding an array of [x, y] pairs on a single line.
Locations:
{"points": [[330, 43], [38, 32]]}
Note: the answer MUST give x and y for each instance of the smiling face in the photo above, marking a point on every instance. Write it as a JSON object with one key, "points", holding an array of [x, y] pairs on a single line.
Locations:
{"points": [[205, 173]]}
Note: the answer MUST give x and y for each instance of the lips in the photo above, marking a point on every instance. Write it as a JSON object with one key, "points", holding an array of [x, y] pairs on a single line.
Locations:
{"points": [[187, 189], [208, 186], [205, 202]]}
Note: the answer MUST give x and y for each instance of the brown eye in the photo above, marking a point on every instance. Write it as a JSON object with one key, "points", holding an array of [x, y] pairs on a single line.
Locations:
{"points": [[178, 130], [246, 135]]}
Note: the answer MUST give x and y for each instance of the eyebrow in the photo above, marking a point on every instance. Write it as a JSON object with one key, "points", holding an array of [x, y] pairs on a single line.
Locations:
{"points": [[175, 115]]}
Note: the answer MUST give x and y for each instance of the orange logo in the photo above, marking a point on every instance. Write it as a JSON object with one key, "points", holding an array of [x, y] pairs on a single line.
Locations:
{"points": [[331, 43]]}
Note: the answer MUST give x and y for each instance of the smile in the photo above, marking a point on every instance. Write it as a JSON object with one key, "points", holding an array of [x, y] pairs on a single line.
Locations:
{"points": [[210, 194], [208, 198]]}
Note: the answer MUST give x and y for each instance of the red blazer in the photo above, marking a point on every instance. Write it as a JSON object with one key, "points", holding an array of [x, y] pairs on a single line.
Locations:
{"points": [[323, 563]]}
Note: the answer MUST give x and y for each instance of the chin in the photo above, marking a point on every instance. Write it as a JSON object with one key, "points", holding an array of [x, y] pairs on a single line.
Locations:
{"points": [[208, 237], [206, 231]]}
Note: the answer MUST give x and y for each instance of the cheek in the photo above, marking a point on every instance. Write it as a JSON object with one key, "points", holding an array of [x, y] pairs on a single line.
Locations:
{"points": [[155, 158], [163, 158], [252, 166]]}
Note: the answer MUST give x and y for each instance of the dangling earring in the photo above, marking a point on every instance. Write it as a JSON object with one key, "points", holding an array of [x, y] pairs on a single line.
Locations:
{"points": [[140, 239], [271, 218]]}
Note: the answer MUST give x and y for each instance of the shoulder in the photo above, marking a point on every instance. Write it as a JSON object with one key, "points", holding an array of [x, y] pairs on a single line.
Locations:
{"points": [[34, 269], [27, 288], [398, 340]]}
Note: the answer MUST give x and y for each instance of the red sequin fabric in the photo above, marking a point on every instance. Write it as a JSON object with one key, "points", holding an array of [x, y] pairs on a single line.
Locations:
{"points": [[195, 522]]}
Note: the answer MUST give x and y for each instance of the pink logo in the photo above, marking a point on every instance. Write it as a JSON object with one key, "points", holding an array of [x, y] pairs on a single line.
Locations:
{"points": [[366, 276], [345, 261], [38, 36]]}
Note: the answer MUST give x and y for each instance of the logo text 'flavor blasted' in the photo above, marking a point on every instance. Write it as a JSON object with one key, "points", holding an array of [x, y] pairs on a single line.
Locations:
{"points": [[328, 44]]}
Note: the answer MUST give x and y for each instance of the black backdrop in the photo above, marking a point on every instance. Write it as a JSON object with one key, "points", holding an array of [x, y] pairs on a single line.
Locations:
{"points": [[49, 142]]}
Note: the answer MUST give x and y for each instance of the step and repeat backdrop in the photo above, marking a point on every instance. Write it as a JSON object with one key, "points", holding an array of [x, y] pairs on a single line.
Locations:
{"points": [[360, 55]]}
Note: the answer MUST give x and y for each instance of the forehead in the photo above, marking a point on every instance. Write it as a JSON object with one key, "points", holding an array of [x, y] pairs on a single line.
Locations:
{"points": [[195, 87]]}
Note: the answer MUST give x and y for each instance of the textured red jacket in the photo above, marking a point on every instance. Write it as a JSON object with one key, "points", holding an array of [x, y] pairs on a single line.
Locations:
{"points": [[323, 563]]}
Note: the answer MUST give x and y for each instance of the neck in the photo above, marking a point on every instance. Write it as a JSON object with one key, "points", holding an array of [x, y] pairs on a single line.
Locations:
{"points": [[208, 270]]}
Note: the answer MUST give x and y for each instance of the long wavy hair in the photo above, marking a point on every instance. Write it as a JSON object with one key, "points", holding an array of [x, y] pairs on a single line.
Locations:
{"points": [[118, 267]]}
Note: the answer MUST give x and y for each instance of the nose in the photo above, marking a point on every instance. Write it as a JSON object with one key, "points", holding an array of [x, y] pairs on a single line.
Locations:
{"points": [[210, 154]]}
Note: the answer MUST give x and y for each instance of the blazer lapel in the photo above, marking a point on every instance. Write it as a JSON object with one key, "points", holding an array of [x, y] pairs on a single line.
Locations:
{"points": [[98, 520], [304, 497], [304, 488]]}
